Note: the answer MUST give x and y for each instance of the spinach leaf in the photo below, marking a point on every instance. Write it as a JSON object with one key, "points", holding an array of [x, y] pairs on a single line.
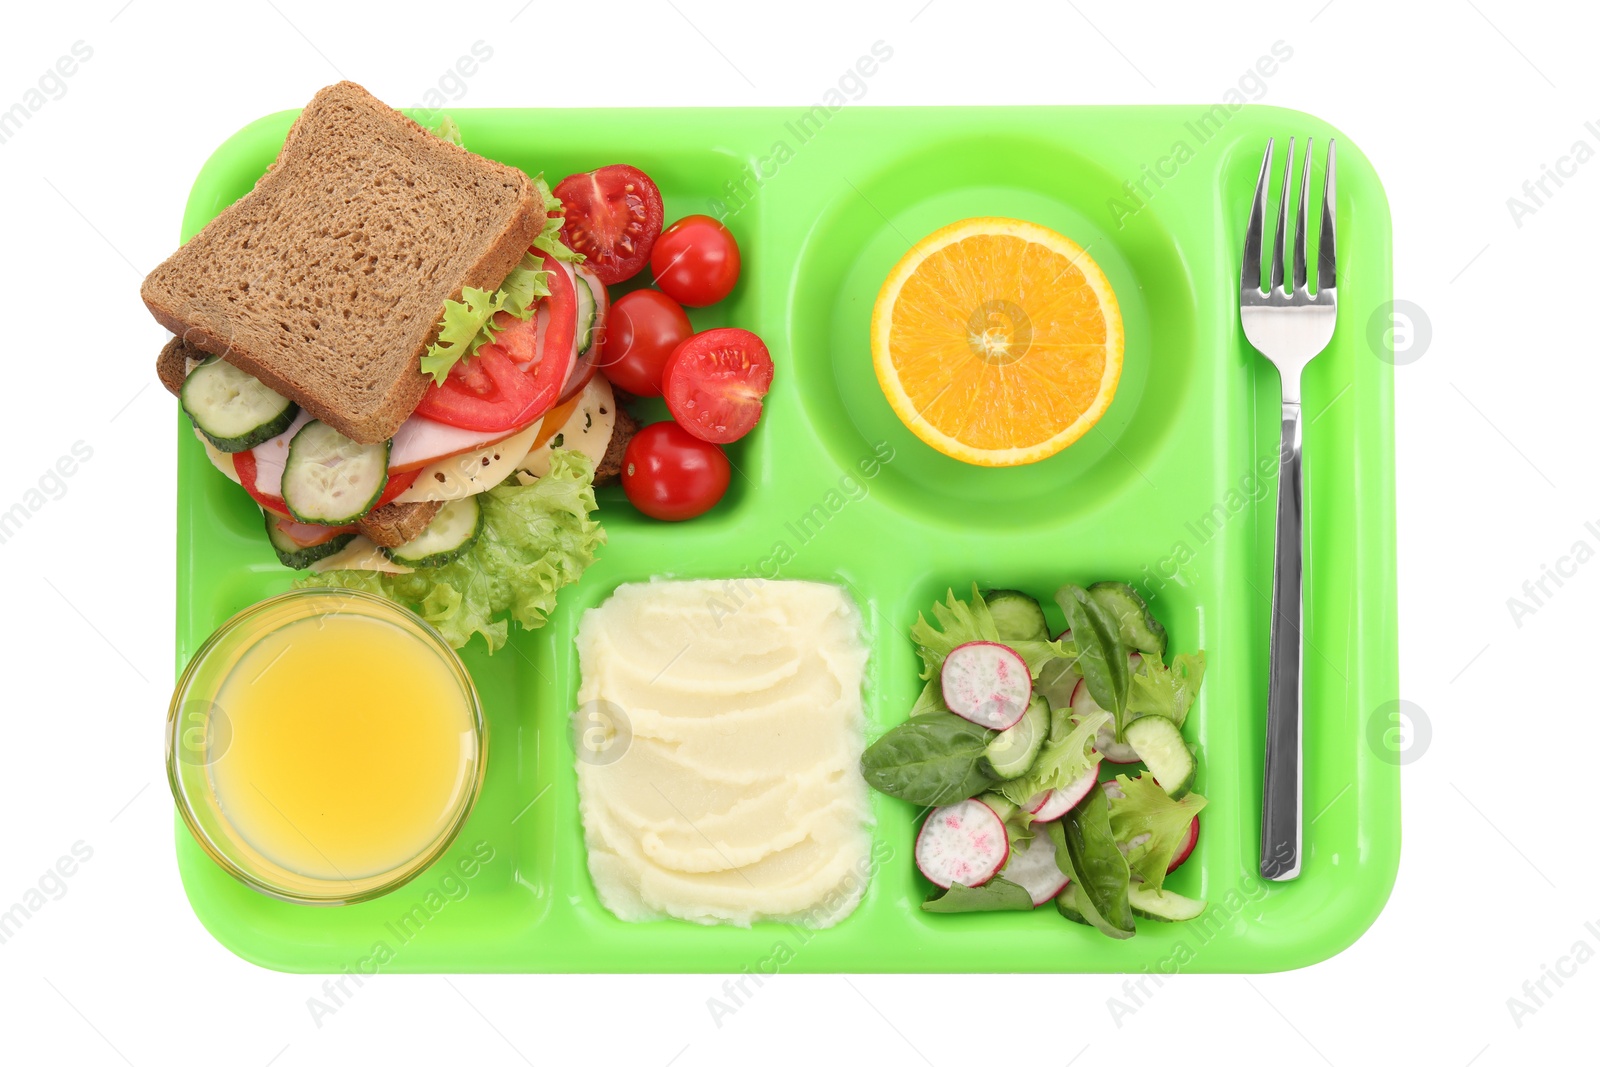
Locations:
{"points": [[1102, 657], [929, 759], [1087, 853], [996, 894]]}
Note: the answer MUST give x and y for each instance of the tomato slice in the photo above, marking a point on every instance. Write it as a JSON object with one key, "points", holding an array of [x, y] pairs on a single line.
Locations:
{"points": [[494, 391], [715, 381], [399, 482], [612, 216], [244, 465]]}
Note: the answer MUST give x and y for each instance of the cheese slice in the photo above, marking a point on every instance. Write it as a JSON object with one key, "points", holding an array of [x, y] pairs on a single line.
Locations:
{"points": [[587, 430], [220, 459], [359, 555], [471, 472]]}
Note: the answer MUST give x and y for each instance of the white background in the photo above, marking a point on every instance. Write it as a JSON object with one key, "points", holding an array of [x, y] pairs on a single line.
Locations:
{"points": [[1457, 104]]}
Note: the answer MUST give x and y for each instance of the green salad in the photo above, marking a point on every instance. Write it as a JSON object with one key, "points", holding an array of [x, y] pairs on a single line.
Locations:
{"points": [[1006, 746]]}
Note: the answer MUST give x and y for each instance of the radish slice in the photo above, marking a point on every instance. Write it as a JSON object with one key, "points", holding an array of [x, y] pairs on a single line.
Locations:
{"points": [[1105, 742], [963, 842], [1189, 841], [1054, 803], [1033, 866], [987, 683]]}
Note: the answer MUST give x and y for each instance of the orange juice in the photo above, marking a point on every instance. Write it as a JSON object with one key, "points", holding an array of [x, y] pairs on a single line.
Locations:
{"points": [[344, 747]]}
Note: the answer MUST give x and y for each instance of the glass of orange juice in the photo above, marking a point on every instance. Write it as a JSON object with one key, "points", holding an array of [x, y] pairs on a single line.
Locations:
{"points": [[325, 746]]}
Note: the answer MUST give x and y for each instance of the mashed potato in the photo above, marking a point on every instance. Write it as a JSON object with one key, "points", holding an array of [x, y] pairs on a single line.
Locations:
{"points": [[729, 791]]}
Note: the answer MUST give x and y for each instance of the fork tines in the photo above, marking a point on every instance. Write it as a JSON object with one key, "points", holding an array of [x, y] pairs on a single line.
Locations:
{"points": [[1250, 275]]}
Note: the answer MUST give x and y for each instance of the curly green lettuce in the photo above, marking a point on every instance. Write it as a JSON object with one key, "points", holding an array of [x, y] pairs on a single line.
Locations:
{"points": [[549, 241], [1149, 825], [447, 130], [469, 323], [955, 622], [1156, 689], [1065, 758], [536, 539]]}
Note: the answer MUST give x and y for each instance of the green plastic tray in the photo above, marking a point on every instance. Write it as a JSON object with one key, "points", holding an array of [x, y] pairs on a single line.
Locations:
{"points": [[1167, 492]]}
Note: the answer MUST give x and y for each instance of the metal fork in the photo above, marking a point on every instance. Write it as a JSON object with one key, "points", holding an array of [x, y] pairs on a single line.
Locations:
{"points": [[1289, 327]]}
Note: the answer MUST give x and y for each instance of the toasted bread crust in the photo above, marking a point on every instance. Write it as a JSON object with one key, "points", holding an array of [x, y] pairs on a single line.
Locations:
{"points": [[327, 280], [394, 524], [172, 365], [622, 431]]}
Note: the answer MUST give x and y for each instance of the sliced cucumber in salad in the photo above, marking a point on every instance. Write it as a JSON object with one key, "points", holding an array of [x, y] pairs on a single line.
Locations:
{"points": [[1009, 720], [1017, 616], [1163, 905], [1160, 745], [454, 530], [1013, 751], [331, 480], [232, 409]]}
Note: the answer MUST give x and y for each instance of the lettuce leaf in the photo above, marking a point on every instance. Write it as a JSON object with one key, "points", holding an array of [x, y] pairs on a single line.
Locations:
{"points": [[1065, 758], [955, 622], [1156, 689], [536, 539], [549, 240], [469, 322], [1149, 825], [447, 130]]}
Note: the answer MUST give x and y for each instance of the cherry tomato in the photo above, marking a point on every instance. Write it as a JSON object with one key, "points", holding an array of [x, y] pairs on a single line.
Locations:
{"points": [[645, 328], [696, 261], [714, 383], [612, 216], [670, 474], [509, 383]]}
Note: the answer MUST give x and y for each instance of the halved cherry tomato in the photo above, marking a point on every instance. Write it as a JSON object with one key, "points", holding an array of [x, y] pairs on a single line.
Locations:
{"points": [[714, 383], [492, 390], [696, 261], [612, 216], [670, 474], [244, 465], [646, 327]]}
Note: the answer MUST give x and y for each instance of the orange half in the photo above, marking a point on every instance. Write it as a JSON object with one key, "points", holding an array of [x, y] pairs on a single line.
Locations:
{"points": [[997, 341]]}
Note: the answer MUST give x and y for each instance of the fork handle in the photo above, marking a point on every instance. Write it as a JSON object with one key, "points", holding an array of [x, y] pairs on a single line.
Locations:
{"points": [[1281, 788]]}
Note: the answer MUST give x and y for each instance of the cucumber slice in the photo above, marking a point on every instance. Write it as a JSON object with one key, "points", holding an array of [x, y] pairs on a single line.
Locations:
{"points": [[447, 537], [1067, 904], [231, 409], [293, 555], [1162, 905], [1017, 616], [1135, 625], [1160, 745], [1013, 751], [330, 479], [588, 300], [999, 805]]}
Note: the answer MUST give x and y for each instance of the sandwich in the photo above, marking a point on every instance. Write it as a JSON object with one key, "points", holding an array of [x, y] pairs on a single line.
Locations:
{"points": [[387, 346]]}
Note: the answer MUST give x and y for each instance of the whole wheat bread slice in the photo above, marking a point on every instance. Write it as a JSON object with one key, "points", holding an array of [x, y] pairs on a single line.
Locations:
{"points": [[327, 280], [394, 524]]}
